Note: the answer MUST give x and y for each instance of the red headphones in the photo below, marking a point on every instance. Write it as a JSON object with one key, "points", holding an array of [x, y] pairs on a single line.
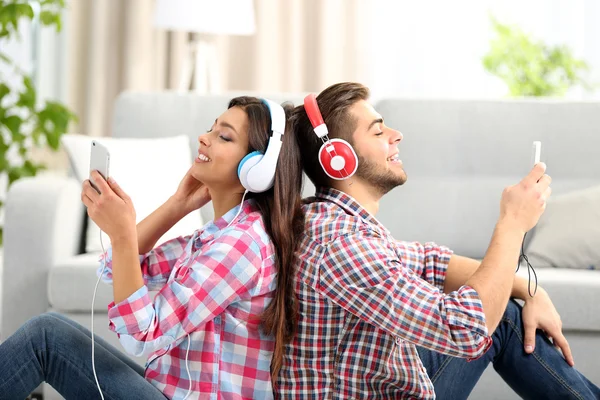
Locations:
{"points": [[336, 156]]}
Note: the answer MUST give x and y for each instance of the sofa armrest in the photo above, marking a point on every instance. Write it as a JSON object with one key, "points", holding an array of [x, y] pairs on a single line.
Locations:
{"points": [[44, 222]]}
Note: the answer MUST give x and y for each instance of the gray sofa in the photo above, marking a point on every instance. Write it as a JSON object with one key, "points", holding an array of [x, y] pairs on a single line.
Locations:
{"points": [[459, 155]]}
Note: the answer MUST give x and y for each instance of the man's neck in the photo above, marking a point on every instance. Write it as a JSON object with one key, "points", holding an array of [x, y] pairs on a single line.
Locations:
{"points": [[364, 194]]}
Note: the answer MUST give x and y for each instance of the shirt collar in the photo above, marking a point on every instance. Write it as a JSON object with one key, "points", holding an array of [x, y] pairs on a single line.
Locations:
{"points": [[350, 204], [213, 226]]}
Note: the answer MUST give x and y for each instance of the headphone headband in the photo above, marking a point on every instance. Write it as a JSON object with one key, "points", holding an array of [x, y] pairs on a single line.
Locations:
{"points": [[277, 116], [314, 115], [257, 171], [336, 156]]}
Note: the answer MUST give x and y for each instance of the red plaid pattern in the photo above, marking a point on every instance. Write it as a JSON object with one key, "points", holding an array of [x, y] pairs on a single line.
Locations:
{"points": [[212, 288], [366, 301]]}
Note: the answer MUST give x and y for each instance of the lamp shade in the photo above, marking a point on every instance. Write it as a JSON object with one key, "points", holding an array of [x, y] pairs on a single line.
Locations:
{"points": [[228, 17]]}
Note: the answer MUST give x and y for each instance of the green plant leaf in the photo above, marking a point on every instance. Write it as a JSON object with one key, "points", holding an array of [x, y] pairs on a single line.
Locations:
{"points": [[47, 17], [54, 120], [3, 159], [30, 168], [14, 173], [59, 3], [3, 145], [5, 58], [24, 10], [13, 123], [36, 135], [10, 15], [27, 169], [51, 18], [27, 98], [50, 122], [4, 90], [529, 67]]}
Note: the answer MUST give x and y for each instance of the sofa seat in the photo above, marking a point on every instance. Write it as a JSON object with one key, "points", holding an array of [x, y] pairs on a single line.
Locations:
{"points": [[71, 285], [575, 294]]}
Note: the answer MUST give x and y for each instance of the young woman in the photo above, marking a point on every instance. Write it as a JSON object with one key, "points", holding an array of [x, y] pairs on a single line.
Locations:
{"points": [[225, 305]]}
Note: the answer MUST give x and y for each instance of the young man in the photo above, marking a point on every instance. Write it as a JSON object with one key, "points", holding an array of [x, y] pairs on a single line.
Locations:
{"points": [[385, 319]]}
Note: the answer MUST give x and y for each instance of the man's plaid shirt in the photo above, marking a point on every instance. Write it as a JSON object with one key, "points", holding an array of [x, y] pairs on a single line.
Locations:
{"points": [[366, 301]]}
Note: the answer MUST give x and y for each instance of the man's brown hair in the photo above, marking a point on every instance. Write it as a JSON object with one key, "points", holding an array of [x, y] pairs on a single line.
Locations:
{"points": [[334, 103]]}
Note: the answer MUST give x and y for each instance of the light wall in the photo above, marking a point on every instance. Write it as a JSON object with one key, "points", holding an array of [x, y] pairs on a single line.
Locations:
{"points": [[433, 48]]}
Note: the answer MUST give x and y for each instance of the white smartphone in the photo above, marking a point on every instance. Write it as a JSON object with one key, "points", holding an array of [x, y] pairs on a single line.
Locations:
{"points": [[536, 152], [99, 161]]}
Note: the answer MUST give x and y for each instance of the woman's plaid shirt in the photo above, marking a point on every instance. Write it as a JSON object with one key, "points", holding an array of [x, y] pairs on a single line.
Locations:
{"points": [[212, 287], [366, 301]]}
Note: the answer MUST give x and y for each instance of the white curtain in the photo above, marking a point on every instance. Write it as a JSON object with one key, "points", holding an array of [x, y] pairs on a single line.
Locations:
{"points": [[112, 46], [299, 45], [108, 46]]}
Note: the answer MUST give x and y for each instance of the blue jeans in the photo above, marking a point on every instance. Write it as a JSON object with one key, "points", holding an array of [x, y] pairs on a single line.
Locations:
{"points": [[544, 374], [51, 348]]}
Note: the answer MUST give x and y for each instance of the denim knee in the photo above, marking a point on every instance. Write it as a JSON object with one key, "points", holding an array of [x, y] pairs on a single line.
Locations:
{"points": [[44, 323]]}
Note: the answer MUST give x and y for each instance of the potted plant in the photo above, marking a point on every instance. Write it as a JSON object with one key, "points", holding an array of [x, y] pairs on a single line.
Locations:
{"points": [[530, 67], [26, 122]]}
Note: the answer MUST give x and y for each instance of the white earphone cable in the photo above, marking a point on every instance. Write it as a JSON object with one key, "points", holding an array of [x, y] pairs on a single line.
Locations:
{"points": [[188, 335], [92, 324], [94, 300], [187, 367], [240, 210]]}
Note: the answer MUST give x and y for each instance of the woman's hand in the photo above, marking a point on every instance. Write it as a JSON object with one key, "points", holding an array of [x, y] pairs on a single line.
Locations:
{"points": [[111, 209], [191, 193]]}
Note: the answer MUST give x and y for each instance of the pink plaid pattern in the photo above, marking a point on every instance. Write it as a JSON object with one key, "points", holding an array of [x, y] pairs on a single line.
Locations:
{"points": [[366, 301], [212, 288]]}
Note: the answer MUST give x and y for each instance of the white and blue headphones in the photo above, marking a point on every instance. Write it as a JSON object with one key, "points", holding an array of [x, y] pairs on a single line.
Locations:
{"points": [[257, 170]]}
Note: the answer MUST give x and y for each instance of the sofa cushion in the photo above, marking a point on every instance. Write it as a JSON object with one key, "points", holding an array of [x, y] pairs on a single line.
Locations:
{"points": [[458, 212], [148, 170], [71, 285], [568, 233], [463, 152]]}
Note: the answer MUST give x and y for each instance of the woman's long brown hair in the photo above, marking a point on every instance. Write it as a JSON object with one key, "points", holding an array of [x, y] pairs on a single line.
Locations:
{"points": [[282, 213]]}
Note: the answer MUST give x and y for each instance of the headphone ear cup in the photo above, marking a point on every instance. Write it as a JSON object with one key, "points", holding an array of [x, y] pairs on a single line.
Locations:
{"points": [[245, 165], [338, 159]]}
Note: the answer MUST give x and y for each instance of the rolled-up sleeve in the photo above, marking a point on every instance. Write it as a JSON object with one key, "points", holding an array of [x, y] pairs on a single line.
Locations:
{"points": [[229, 270], [429, 260], [364, 276], [156, 264]]}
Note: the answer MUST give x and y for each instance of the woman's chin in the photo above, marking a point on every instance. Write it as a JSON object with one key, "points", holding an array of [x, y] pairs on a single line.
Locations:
{"points": [[198, 175]]}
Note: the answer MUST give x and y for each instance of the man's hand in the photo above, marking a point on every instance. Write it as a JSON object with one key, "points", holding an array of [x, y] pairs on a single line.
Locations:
{"points": [[539, 313]]}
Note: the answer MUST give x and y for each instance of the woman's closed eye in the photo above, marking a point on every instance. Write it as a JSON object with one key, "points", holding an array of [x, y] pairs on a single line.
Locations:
{"points": [[225, 138]]}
